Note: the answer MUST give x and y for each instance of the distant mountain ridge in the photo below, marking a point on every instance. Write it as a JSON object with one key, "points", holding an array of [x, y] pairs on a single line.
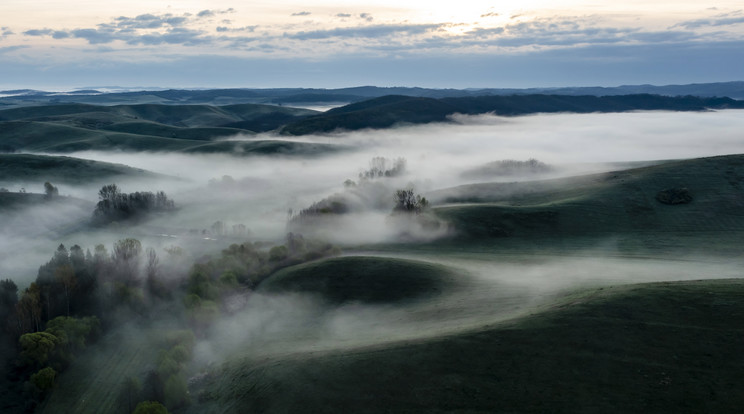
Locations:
{"points": [[309, 96]]}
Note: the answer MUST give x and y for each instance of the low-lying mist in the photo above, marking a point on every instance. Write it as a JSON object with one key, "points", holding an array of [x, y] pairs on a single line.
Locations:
{"points": [[490, 290], [260, 192]]}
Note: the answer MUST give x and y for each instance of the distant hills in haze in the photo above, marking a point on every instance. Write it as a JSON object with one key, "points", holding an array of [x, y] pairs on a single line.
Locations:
{"points": [[311, 96], [201, 120]]}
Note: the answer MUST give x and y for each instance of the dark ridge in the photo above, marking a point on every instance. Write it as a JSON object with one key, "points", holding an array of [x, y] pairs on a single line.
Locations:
{"points": [[391, 110]]}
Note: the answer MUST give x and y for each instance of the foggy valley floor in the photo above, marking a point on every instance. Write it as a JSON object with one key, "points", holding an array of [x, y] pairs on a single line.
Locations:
{"points": [[578, 283]]}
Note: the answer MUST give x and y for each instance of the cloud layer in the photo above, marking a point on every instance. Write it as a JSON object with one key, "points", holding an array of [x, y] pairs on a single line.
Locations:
{"points": [[307, 36]]}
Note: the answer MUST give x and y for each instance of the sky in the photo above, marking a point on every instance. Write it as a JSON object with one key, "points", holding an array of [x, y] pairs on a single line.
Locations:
{"points": [[61, 45]]}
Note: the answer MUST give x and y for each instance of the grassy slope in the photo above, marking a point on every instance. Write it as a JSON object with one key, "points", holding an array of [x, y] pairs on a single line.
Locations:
{"points": [[363, 279], [60, 169], [390, 110], [613, 204], [146, 127], [666, 347]]}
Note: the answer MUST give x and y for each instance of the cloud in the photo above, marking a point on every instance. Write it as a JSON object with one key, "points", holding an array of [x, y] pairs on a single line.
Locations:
{"points": [[38, 32], [179, 36], [713, 22], [366, 16], [150, 21], [490, 14], [94, 36], [376, 31], [302, 13], [343, 15], [211, 13], [225, 29]]}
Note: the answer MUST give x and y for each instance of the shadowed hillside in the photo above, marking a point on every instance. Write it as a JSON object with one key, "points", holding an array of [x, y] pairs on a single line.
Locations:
{"points": [[640, 348], [619, 202], [60, 169], [391, 110], [147, 127]]}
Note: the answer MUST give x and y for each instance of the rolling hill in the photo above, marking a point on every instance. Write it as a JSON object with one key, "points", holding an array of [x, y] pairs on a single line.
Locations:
{"points": [[395, 110], [61, 169], [640, 348], [618, 202], [192, 128]]}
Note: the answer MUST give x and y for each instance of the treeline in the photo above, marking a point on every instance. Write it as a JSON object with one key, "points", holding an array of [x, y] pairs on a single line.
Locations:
{"points": [[79, 294], [113, 205]]}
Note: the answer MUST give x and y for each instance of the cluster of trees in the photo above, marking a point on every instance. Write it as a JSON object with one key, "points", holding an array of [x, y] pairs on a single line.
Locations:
{"points": [[383, 167], [406, 201], [531, 166], [48, 352], [78, 293], [335, 204], [113, 205], [369, 194], [74, 295]]}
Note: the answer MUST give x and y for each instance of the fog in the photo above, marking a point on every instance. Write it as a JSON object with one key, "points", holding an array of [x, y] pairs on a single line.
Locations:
{"points": [[224, 199], [259, 191], [491, 290]]}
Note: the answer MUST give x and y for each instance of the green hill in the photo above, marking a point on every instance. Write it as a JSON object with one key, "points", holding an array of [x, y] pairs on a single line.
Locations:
{"points": [[615, 203], [60, 169], [664, 347], [145, 127], [362, 279], [391, 110]]}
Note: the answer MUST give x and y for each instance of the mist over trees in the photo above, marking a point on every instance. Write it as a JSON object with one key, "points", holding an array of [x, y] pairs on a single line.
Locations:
{"points": [[406, 201], [79, 295], [114, 205]]}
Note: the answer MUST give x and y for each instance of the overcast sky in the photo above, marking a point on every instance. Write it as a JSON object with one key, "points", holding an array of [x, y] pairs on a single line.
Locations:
{"points": [[57, 45]]}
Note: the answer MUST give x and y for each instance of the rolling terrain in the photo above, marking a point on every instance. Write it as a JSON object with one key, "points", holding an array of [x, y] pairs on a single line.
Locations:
{"points": [[497, 348], [391, 110], [60, 169], [66, 128], [617, 291], [639, 348]]}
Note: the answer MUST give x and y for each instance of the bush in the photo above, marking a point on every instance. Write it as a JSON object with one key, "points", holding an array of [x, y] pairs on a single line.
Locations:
{"points": [[44, 379]]}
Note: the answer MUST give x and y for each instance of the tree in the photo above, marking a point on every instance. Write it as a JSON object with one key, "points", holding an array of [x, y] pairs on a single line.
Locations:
{"points": [[406, 201], [44, 379], [131, 391], [8, 300], [28, 309], [125, 259], [65, 275], [109, 193], [50, 190], [36, 348]]}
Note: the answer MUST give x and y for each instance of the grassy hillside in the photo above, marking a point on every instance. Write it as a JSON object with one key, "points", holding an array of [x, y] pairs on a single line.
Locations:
{"points": [[390, 110], [362, 279], [60, 169], [146, 127], [613, 203], [665, 347]]}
